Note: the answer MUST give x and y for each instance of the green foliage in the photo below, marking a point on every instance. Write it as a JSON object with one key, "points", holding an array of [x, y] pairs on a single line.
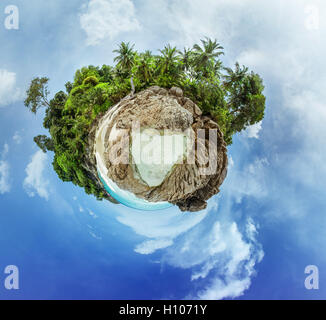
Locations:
{"points": [[233, 98], [90, 80], [205, 57], [246, 103], [44, 143], [37, 94]]}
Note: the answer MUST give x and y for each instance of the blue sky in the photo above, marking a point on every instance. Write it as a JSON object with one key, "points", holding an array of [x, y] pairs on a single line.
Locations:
{"points": [[256, 237]]}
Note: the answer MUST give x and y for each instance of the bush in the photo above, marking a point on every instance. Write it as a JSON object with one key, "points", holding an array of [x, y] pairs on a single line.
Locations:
{"points": [[91, 80]]}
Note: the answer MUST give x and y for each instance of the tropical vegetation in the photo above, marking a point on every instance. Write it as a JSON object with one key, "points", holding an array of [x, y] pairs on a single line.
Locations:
{"points": [[232, 97]]}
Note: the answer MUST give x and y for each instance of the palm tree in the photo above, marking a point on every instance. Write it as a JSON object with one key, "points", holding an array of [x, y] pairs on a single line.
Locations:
{"points": [[148, 54], [145, 66], [217, 67], [235, 84], [234, 77], [186, 57], [209, 51], [168, 62], [119, 72], [126, 56]]}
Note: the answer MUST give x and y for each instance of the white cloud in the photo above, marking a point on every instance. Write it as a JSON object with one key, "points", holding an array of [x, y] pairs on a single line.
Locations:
{"points": [[95, 236], [230, 162], [229, 288], [248, 180], [5, 150], [253, 131], [150, 246], [241, 257], [4, 177], [107, 19], [9, 93], [92, 214], [221, 257], [35, 182], [160, 224], [4, 171], [17, 138]]}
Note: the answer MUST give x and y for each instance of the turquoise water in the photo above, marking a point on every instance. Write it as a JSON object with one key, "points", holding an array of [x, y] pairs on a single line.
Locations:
{"points": [[130, 200]]}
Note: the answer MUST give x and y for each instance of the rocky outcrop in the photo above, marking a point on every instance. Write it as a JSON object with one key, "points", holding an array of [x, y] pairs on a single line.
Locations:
{"points": [[191, 181]]}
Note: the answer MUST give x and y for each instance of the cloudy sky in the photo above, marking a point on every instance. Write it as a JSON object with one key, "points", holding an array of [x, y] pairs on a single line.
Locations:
{"points": [[255, 238]]}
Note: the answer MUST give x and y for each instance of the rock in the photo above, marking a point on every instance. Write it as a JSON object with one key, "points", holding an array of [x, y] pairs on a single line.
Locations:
{"points": [[188, 183], [192, 205], [176, 91], [197, 110], [189, 105], [162, 92], [212, 124], [154, 89]]}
